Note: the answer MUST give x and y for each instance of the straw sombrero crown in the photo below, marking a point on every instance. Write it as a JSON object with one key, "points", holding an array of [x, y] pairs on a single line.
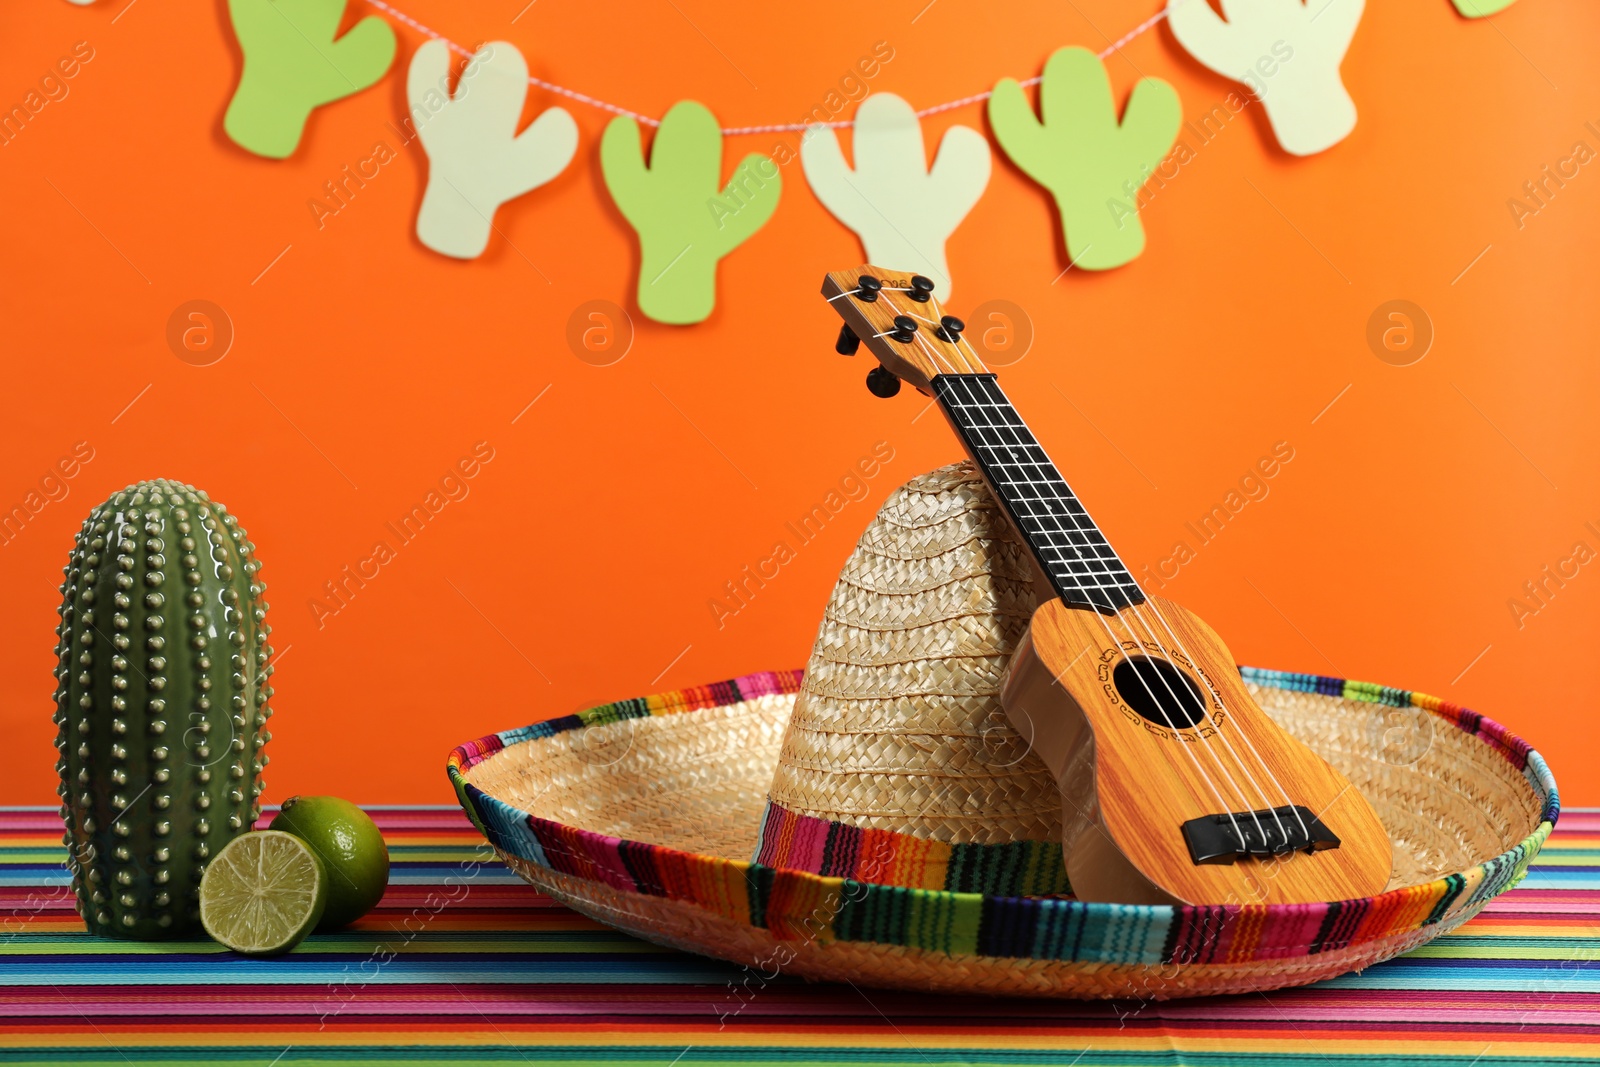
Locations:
{"points": [[875, 820], [898, 765]]}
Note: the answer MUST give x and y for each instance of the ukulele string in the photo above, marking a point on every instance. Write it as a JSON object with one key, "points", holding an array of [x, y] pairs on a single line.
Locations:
{"points": [[1254, 752], [1121, 643], [1178, 641], [1149, 630], [1137, 611], [957, 380], [1152, 639], [1166, 683], [932, 353], [884, 289], [1174, 640]]}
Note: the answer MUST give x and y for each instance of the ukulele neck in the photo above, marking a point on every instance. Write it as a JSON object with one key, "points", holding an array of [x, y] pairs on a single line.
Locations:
{"points": [[1080, 563]]}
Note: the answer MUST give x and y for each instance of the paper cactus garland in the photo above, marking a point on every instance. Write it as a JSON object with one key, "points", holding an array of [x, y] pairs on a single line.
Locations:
{"points": [[1092, 165], [293, 65], [1288, 52], [476, 159], [161, 704], [685, 221], [902, 209]]}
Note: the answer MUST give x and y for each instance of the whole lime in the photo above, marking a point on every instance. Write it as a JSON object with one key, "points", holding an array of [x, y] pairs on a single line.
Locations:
{"points": [[351, 849]]}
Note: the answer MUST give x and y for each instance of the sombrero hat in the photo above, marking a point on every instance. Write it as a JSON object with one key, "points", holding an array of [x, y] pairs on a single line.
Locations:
{"points": [[874, 819]]}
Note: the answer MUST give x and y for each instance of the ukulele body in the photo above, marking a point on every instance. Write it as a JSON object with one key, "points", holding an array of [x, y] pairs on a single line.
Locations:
{"points": [[1129, 780]]}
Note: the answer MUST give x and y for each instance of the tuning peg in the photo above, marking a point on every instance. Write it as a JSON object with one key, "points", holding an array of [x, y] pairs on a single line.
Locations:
{"points": [[867, 288], [921, 288], [848, 342], [881, 382], [950, 329], [905, 329]]}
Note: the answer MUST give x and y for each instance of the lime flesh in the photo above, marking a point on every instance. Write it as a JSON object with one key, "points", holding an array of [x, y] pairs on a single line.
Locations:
{"points": [[263, 893], [351, 849]]}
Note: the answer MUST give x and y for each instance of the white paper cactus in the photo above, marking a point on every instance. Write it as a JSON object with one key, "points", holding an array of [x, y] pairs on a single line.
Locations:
{"points": [[1288, 52], [476, 159], [902, 209]]}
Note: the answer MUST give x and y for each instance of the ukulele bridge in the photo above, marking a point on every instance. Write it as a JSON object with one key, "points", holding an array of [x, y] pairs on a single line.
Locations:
{"points": [[1269, 832]]}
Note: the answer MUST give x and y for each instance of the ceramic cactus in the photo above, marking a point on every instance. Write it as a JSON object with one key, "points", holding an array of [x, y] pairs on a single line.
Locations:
{"points": [[476, 159], [902, 209], [1092, 165], [161, 704], [1288, 52], [685, 224], [293, 65]]}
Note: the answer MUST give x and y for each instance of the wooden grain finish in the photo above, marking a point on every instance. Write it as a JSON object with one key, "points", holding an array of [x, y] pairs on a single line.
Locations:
{"points": [[1150, 779], [916, 362]]}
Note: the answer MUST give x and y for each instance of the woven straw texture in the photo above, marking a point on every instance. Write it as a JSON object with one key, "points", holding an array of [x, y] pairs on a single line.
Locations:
{"points": [[898, 725], [640, 814]]}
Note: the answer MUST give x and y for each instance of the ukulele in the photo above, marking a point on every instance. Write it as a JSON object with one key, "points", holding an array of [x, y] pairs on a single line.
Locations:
{"points": [[1176, 787]]}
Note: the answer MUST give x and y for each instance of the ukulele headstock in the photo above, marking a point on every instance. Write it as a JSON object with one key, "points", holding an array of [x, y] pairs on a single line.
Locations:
{"points": [[897, 317]]}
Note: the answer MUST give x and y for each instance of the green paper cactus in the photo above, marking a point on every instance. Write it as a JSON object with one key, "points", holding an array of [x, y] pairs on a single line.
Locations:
{"points": [[161, 703], [685, 224], [293, 65], [1477, 9], [1092, 165]]}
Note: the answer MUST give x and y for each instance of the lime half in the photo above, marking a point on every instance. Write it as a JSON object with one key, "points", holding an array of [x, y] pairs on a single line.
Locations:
{"points": [[351, 849], [263, 893]]}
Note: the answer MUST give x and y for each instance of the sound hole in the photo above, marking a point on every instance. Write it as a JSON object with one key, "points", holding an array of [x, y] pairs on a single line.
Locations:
{"points": [[1159, 691]]}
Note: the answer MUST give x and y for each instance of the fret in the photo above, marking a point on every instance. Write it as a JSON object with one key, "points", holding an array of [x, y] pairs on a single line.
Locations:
{"points": [[1081, 587], [1053, 480], [1074, 550], [1018, 447], [1042, 488], [1025, 474], [1047, 516], [1070, 548]]}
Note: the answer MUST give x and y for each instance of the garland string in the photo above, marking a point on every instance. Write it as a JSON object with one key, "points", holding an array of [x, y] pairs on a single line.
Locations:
{"points": [[735, 131]]}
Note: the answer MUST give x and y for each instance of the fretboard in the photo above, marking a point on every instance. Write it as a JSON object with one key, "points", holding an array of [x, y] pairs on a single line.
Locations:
{"points": [[1074, 554]]}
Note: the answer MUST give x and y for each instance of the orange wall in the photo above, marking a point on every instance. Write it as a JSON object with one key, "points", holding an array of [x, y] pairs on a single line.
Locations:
{"points": [[582, 565]]}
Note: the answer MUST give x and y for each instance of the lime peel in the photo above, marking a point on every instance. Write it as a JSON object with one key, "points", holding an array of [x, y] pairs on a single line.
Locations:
{"points": [[350, 847]]}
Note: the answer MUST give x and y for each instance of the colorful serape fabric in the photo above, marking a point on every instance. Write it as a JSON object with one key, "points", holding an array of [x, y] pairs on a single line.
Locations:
{"points": [[465, 963]]}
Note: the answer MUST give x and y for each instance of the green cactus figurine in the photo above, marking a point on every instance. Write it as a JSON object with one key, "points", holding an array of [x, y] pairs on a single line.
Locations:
{"points": [[1093, 166], [293, 65], [685, 225], [161, 703]]}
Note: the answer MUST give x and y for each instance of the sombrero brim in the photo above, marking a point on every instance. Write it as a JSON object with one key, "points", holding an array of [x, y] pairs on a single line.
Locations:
{"points": [[643, 814]]}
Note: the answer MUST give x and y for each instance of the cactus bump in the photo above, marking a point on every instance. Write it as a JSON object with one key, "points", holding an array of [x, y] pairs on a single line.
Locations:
{"points": [[1093, 165], [293, 65], [686, 222], [161, 704]]}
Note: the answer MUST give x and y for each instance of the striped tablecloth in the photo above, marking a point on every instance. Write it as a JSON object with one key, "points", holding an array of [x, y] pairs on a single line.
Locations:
{"points": [[465, 963]]}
